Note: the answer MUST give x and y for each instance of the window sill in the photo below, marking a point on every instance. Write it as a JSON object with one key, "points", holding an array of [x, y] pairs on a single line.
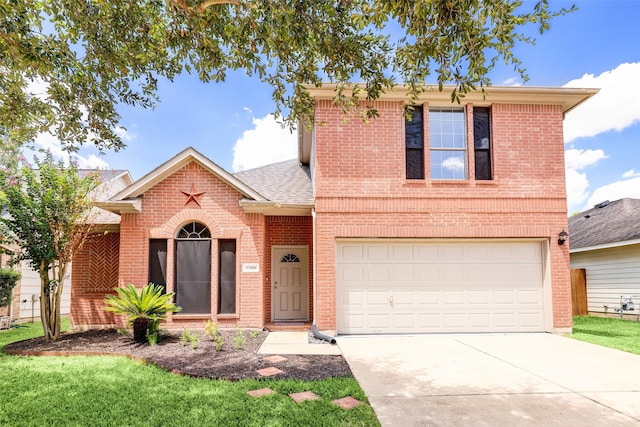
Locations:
{"points": [[486, 182], [227, 316], [203, 316], [449, 183]]}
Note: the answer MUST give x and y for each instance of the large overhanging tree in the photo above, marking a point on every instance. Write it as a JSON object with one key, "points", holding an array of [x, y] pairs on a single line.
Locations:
{"points": [[48, 218], [82, 58]]}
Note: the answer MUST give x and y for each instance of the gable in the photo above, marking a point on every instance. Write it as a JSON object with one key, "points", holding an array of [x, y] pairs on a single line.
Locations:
{"points": [[129, 200], [178, 162]]}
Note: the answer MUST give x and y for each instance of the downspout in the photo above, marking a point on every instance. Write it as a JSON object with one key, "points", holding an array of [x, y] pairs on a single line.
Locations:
{"points": [[314, 329], [315, 263]]}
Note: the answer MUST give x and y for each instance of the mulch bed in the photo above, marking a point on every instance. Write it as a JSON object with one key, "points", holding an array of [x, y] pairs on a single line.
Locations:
{"points": [[230, 363]]}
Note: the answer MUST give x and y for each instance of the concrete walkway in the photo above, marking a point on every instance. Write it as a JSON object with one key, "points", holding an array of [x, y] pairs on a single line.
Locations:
{"points": [[495, 380], [294, 343]]}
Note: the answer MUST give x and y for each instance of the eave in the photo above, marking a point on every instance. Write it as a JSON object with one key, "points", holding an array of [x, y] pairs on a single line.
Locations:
{"points": [[605, 246], [121, 206], [569, 98], [276, 209]]}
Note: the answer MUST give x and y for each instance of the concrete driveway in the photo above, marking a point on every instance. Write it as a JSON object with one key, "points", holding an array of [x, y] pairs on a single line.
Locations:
{"points": [[495, 380]]}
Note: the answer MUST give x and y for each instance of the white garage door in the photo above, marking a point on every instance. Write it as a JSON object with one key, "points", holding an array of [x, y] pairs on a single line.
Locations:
{"points": [[408, 286]]}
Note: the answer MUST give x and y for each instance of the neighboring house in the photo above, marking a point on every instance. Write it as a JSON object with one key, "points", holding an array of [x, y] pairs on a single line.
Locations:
{"points": [[445, 223], [605, 241], [26, 294]]}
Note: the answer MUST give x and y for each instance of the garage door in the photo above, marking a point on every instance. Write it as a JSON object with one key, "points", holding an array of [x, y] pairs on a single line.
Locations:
{"points": [[408, 286]]}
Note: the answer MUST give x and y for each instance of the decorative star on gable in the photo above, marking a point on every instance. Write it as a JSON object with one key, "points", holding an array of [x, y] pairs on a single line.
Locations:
{"points": [[192, 195]]}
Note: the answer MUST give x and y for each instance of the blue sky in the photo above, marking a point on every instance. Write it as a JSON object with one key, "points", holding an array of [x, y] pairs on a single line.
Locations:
{"points": [[597, 46]]}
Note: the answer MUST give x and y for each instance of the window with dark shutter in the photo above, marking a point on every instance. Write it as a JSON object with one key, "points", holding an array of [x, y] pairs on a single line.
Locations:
{"points": [[227, 276], [482, 142], [414, 143], [158, 262]]}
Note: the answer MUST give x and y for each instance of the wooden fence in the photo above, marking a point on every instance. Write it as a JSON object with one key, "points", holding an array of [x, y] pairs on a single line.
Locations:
{"points": [[579, 291]]}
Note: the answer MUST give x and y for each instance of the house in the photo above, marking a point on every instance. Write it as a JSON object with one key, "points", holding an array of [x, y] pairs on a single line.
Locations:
{"points": [[26, 294], [447, 222], [605, 242]]}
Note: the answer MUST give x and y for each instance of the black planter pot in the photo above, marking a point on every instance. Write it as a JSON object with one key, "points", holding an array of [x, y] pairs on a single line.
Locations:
{"points": [[140, 328]]}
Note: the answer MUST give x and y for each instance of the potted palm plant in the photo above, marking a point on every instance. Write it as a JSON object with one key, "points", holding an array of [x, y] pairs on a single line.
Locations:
{"points": [[144, 310]]}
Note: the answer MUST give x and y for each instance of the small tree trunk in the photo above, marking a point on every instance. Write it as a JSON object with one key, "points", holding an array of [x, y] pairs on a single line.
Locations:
{"points": [[140, 328], [45, 303]]}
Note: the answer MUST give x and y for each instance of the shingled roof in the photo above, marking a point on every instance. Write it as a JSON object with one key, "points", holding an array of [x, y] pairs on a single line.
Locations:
{"points": [[286, 182], [606, 223]]}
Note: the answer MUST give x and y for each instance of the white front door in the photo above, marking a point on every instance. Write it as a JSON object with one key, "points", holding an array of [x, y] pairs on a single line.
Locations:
{"points": [[290, 283]]}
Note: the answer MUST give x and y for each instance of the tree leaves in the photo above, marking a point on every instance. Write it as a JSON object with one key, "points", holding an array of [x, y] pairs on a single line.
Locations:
{"points": [[90, 56]]}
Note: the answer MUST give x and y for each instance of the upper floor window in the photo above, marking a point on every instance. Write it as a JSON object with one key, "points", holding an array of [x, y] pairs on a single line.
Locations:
{"points": [[414, 144], [447, 143]]}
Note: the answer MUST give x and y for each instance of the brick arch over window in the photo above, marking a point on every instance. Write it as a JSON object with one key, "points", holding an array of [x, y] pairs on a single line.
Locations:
{"points": [[168, 230]]}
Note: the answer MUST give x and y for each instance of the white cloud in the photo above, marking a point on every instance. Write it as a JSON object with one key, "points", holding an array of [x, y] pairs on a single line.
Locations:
{"points": [[513, 81], [453, 163], [615, 107], [616, 190], [124, 134], [268, 142], [580, 159], [46, 141], [577, 186], [631, 173], [576, 161]]}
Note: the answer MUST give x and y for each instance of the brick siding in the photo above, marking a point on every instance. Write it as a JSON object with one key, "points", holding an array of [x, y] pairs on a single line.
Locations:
{"points": [[361, 190]]}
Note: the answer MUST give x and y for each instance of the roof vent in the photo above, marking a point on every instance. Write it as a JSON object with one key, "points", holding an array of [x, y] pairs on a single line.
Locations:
{"points": [[602, 204], [587, 216]]}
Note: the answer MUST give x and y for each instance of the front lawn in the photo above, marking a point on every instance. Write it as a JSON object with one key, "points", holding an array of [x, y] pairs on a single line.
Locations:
{"points": [[114, 391], [615, 333]]}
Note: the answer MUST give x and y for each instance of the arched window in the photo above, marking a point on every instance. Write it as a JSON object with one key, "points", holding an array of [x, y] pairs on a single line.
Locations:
{"points": [[289, 257], [194, 230]]}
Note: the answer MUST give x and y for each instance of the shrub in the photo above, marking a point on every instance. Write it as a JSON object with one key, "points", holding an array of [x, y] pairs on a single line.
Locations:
{"points": [[191, 338], [239, 340], [144, 310], [8, 280]]}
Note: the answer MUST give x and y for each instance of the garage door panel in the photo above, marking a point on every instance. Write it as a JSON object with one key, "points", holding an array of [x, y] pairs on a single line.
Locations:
{"points": [[450, 273], [450, 252], [350, 274], [376, 298], [426, 252], [479, 297], [378, 274], [401, 253], [532, 297], [480, 320], [351, 297], [529, 320], [428, 297], [425, 273], [377, 252], [351, 252], [408, 287]]}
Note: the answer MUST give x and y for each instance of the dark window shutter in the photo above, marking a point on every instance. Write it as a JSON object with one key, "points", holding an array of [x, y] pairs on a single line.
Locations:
{"points": [[227, 276], [482, 142], [414, 143], [158, 262]]}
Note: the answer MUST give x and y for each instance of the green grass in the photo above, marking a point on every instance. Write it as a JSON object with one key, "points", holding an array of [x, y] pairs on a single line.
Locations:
{"points": [[114, 391], [615, 333]]}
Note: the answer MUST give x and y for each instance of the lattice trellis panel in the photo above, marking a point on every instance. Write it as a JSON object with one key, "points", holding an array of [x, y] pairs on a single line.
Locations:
{"points": [[103, 262]]}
